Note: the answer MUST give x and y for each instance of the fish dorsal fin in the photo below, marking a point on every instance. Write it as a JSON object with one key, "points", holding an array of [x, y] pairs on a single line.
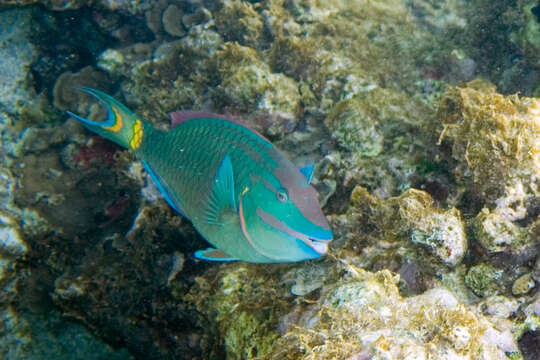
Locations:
{"points": [[179, 117], [307, 171], [222, 194], [164, 190], [213, 255]]}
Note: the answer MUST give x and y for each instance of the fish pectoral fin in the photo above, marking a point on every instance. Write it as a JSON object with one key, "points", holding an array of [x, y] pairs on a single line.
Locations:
{"points": [[307, 171], [222, 194], [212, 254]]}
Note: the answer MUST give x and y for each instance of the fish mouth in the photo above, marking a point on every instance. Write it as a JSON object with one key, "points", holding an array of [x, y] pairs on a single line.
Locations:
{"points": [[318, 244], [320, 247]]}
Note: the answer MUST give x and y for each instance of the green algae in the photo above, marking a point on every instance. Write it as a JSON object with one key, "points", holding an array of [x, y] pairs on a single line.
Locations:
{"points": [[345, 71], [35, 336], [359, 317], [495, 140], [240, 22], [408, 228], [241, 303], [527, 36], [484, 280], [496, 233]]}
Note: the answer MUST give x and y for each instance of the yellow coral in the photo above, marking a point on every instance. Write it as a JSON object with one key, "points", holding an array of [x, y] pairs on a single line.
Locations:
{"points": [[239, 21], [411, 221], [366, 317], [495, 138]]}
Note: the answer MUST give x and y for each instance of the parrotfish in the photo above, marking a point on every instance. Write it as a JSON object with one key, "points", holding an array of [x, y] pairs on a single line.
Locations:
{"points": [[238, 190]]}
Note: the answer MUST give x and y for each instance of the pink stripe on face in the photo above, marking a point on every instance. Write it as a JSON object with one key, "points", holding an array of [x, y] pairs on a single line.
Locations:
{"points": [[320, 247], [244, 230]]}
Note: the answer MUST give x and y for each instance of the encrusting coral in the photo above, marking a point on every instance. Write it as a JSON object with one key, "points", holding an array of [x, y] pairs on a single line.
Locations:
{"points": [[495, 142], [359, 317], [356, 314], [484, 280], [406, 228], [350, 85]]}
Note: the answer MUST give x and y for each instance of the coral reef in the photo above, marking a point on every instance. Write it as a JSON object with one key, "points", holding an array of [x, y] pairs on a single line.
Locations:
{"points": [[358, 123], [132, 7], [431, 188], [409, 229], [18, 55], [355, 316], [495, 139], [239, 21], [496, 144], [359, 318], [248, 84], [528, 34], [241, 306], [64, 96], [126, 288], [172, 21], [35, 337]]}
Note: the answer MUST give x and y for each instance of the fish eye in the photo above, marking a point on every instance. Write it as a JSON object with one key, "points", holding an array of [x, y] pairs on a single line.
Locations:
{"points": [[282, 196]]}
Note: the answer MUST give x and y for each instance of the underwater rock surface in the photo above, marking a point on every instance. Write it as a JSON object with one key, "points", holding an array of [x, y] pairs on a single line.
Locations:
{"points": [[430, 179], [18, 54]]}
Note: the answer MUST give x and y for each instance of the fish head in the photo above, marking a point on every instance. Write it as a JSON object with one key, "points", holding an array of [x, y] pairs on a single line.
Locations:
{"points": [[282, 218]]}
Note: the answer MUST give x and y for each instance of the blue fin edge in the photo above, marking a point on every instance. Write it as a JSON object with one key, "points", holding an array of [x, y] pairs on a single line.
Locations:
{"points": [[222, 191], [163, 189], [99, 96], [307, 171], [206, 255]]}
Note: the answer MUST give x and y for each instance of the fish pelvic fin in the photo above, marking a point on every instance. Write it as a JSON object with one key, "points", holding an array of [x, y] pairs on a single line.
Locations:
{"points": [[121, 126], [175, 203], [213, 255]]}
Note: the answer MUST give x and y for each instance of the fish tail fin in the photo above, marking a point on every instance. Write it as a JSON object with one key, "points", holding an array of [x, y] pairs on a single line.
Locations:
{"points": [[121, 126]]}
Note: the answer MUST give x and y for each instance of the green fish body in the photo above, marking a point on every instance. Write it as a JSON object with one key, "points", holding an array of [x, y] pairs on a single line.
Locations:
{"points": [[242, 195]]}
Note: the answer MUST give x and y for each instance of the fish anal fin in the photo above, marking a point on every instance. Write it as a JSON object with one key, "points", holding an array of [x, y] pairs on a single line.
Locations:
{"points": [[164, 190], [212, 254]]}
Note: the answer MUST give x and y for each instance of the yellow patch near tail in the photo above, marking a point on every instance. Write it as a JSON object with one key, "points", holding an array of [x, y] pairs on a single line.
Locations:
{"points": [[136, 140], [117, 122]]}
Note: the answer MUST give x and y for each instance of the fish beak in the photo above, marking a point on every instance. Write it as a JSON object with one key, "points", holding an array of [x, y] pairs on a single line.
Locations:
{"points": [[321, 247]]}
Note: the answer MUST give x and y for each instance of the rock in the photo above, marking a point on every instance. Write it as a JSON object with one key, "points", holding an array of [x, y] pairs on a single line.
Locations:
{"points": [[496, 141], [441, 233], [523, 285], [497, 233], [484, 280], [499, 306], [366, 310], [172, 21], [49, 336], [18, 53]]}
